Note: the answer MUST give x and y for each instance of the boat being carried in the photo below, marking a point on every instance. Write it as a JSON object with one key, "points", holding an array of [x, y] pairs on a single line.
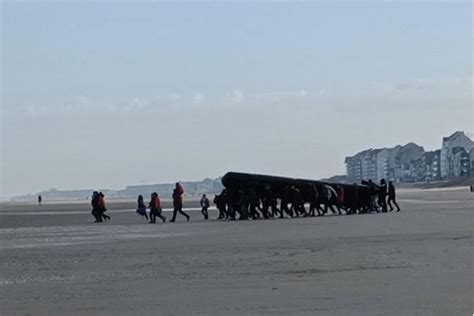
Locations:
{"points": [[234, 181]]}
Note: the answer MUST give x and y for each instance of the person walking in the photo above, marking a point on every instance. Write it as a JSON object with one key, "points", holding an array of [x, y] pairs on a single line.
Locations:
{"points": [[178, 202], [220, 202], [155, 208], [382, 195], [372, 196], [340, 198], [102, 208], [40, 199], [330, 200], [204, 206], [392, 196], [95, 207], [141, 207]]}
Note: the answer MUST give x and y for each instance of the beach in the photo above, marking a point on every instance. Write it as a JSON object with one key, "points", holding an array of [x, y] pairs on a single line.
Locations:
{"points": [[55, 261]]}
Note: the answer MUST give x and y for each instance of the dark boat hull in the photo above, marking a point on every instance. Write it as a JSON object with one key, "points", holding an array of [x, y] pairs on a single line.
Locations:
{"points": [[258, 182]]}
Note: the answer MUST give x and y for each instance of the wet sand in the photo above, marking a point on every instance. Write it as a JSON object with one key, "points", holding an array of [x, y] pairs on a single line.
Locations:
{"points": [[54, 261]]}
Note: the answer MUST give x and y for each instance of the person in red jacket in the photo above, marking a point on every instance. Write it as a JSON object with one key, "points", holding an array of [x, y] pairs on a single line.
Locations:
{"points": [[155, 208], [178, 202], [102, 208], [340, 196]]}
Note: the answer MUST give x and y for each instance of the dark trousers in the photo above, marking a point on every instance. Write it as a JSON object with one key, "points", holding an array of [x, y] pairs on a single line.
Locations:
{"points": [[205, 213], [154, 213], [275, 211], [284, 209], [102, 214], [222, 212], [330, 204], [315, 206], [254, 214], [97, 215], [390, 200], [382, 203], [180, 210]]}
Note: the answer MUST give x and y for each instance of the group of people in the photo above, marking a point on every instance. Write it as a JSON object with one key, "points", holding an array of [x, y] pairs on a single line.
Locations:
{"points": [[98, 207], [155, 206], [262, 200], [255, 201]]}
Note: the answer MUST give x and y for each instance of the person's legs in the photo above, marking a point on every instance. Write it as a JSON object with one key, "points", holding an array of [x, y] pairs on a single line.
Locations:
{"points": [[175, 212], [390, 204], [284, 207], [180, 210], [160, 215], [206, 214], [319, 209], [281, 210], [265, 212], [294, 210], [106, 217], [275, 210], [100, 215], [96, 216], [384, 205], [332, 208], [231, 211], [354, 208], [396, 204], [373, 204], [221, 212], [253, 211], [302, 209]]}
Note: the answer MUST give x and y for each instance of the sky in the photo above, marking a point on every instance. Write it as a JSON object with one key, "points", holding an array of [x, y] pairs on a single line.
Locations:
{"points": [[104, 94]]}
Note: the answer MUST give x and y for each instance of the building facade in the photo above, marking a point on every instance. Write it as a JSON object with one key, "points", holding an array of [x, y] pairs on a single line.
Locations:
{"points": [[450, 156], [410, 163]]}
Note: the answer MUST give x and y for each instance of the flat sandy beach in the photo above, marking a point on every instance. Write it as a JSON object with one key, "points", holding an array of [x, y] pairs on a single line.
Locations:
{"points": [[55, 261]]}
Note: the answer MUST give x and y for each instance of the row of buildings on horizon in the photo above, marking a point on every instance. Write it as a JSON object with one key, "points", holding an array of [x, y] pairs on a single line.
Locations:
{"points": [[408, 163], [411, 163], [193, 189]]}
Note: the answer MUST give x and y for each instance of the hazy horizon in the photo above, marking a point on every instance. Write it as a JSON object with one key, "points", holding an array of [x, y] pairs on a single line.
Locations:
{"points": [[104, 95]]}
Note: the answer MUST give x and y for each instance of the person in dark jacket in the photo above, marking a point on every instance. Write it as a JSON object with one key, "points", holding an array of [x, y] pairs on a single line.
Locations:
{"points": [[269, 202], [204, 206], [353, 199], [178, 202], [314, 201], [95, 207], [372, 196], [251, 203], [382, 195], [102, 208], [285, 200], [221, 203], [330, 199], [141, 207], [392, 196], [297, 202]]}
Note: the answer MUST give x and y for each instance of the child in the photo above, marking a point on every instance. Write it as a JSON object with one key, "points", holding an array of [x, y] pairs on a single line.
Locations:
{"points": [[141, 208], [204, 206]]}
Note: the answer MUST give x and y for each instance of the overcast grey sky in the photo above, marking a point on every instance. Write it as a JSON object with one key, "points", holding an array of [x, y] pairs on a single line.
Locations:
{"points": [[103, 94]]}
